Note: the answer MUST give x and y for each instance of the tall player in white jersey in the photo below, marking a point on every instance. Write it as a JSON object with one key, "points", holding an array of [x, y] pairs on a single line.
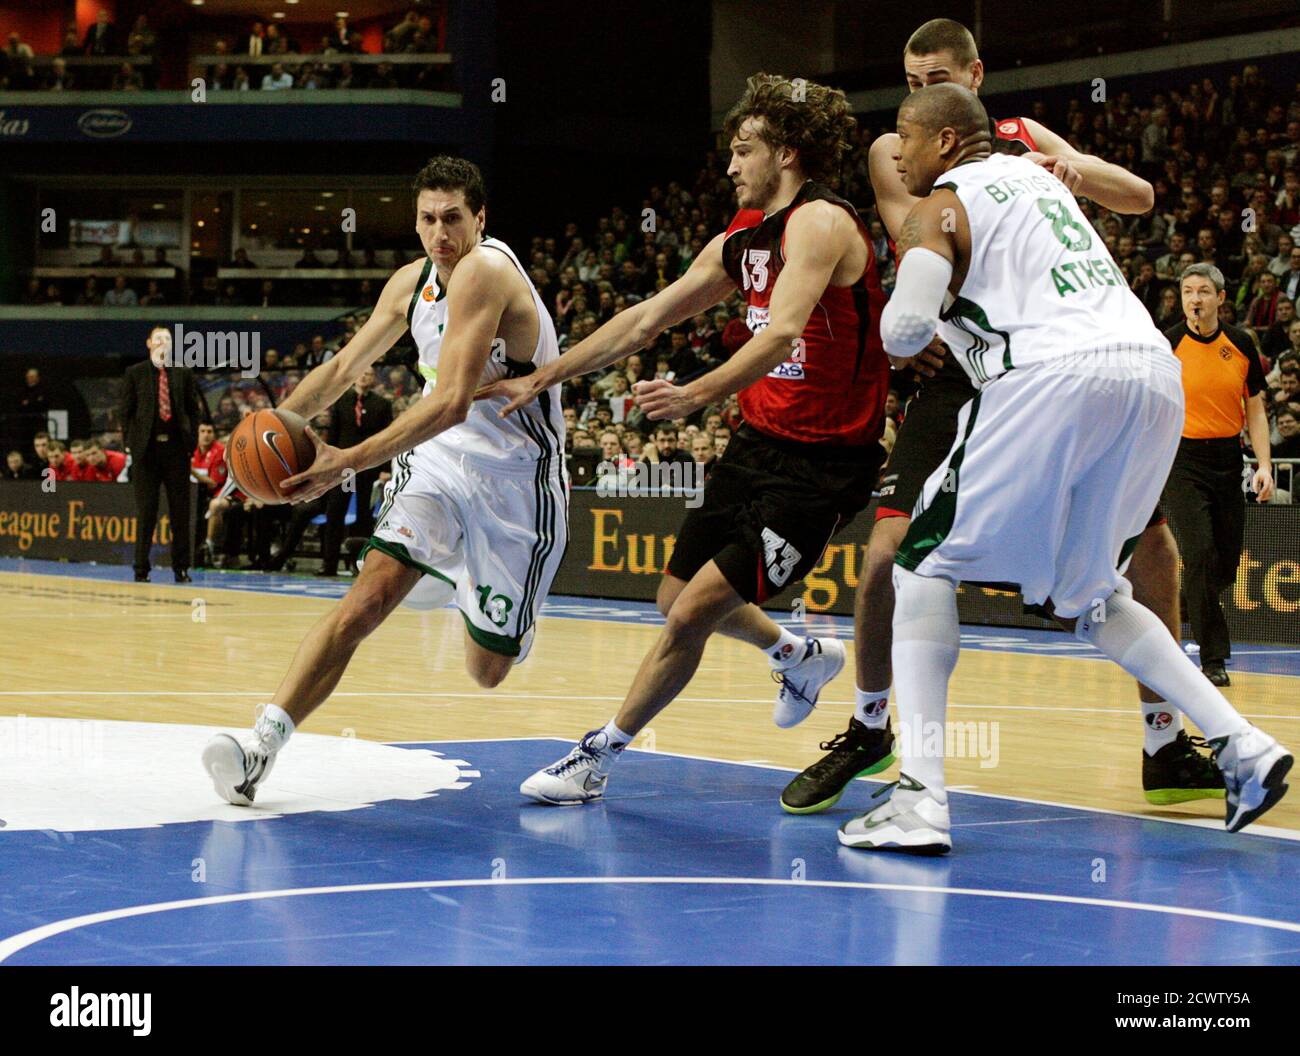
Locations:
{"points": [[1059, 458], [477, 508]]}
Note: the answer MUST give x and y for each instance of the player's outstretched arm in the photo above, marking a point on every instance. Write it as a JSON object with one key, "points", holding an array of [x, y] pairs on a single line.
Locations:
{"points": [[320, 388], [929, 251], [817, 236], [475, 303], [1106, 184], [704, 285]]}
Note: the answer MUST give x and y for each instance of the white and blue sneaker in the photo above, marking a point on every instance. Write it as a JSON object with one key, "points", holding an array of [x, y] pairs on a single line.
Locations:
{"points": [[914, 820], [1254, 767], [237, 768], [577, 778], [802, 682]]}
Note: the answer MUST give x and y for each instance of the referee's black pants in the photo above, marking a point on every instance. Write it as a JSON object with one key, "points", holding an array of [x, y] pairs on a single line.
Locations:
{"points": [[1207, 505]]}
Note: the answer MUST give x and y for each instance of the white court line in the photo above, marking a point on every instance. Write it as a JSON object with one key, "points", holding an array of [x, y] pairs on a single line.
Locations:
{"points": [[19, 942], [525, 695]]}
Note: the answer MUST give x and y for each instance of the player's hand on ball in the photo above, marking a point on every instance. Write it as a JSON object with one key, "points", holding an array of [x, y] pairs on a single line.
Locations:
{"points": [[661, 399], [325, 472], [1062, 168]]}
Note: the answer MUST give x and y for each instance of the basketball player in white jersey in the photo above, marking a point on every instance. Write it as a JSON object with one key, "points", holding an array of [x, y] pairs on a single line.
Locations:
{"points": [[477, 508], [1059, 458], [1173, 769]]}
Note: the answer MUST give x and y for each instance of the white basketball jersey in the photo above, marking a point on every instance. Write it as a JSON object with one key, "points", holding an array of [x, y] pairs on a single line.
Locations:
{"points": [[1041, 284], [532, 434]]}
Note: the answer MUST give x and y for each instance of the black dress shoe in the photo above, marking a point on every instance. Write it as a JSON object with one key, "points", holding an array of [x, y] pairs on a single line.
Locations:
{"points": [[329, 572], [142, 577], [182, 576], [1215, 672]]}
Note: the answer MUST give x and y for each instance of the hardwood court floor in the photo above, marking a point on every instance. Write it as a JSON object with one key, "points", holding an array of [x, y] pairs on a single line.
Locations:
{"points": [[1064, 729]]}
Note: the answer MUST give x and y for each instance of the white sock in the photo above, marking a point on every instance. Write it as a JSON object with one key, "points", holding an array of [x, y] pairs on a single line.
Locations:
{"points": [[1133, 636], [871, 708], [788, 650], [1161, 724], [615, 739], [927, 639], [274, 727]]}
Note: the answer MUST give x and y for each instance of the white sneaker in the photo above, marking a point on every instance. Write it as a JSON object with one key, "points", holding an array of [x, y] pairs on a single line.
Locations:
{"points": [[802, 682], [577, 778], [911, 820], [1254, 766], [238, 768]]}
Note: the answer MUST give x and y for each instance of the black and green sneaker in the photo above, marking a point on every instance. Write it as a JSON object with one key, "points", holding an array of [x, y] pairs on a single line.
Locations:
{"points": [[856, 752], [1179, 773]]}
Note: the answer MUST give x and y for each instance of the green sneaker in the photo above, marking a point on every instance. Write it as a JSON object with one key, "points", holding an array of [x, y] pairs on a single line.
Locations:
{"points": [[1179, 773], [856, 752]]}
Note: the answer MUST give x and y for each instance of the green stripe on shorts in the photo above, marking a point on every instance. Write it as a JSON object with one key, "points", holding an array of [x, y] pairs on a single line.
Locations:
{"points": [[399, 553]]}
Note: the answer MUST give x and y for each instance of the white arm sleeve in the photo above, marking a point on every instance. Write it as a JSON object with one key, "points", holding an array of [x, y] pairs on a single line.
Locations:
{"points": [[912, 314]]}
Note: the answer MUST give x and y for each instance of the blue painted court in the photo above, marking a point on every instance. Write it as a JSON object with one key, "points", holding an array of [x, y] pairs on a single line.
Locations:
{"points": [[689, 861]]}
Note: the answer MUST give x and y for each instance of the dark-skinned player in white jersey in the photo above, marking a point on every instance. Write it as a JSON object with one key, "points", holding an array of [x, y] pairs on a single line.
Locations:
{"points": [[812, 384], [1173, 770]]}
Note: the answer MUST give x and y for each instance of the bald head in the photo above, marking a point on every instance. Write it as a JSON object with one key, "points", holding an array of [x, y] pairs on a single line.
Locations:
{"points": [[939, 106], [939, 126]]}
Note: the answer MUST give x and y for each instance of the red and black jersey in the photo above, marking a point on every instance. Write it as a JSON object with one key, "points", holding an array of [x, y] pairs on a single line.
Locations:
{"points": [[1010, 136], [832, 388]]}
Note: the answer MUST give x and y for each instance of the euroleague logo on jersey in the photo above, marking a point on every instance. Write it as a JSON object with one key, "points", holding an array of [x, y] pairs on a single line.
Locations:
{"points": [[1159, 720], [427, 293], [1009, 127]]}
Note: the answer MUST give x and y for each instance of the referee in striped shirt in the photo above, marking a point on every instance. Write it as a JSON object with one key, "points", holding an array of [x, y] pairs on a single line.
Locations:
{"points": [[1223, 387]]}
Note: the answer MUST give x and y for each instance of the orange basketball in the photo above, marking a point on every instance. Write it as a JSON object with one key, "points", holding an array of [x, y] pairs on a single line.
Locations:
{"points": [[266, 447]]}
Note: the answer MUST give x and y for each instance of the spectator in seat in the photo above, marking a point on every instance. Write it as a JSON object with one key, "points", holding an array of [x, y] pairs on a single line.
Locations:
{"points": [[256, 44], [383, 76], [121, 295], [17, 469], [400, 35], [1262, 312], [1289, 280], [153, 295], [278, 79], [1275, 342], [240, 81], [1288, 428], [101, 38], [98, 465], [126, 78], [90, 294], [59, 79], [343, 39], [71, 43]]}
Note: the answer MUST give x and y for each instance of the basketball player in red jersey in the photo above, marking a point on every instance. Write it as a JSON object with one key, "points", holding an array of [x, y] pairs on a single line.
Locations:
{"points": [[1173, 771], [812, 384]]}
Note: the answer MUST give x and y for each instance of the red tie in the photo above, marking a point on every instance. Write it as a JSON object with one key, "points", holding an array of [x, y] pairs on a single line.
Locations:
{"points": [[358, 410], [164, 396]]}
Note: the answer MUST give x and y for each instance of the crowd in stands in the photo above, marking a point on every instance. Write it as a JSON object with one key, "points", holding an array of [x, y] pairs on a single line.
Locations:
{"points": [[417, 33], [1223, 161]]}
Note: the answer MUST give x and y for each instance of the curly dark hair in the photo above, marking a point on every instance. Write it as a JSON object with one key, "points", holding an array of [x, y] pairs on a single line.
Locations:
{"points": [[445, 173], [807, 117]]}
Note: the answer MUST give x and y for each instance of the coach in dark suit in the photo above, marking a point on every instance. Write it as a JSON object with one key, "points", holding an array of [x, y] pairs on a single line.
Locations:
{"points": [[161, 412], [357, 415]]}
